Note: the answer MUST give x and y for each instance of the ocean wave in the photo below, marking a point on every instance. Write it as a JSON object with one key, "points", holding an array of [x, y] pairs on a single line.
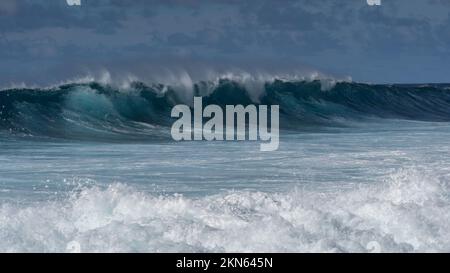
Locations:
{"points": [[408, 212], [138, 111]]}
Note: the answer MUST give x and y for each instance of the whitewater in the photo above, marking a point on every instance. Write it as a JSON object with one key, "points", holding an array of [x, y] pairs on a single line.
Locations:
{"points": [[92, 168]]}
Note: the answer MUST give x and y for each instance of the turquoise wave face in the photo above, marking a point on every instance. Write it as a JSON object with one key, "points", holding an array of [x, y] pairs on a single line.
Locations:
{"points": [[142, 112]]}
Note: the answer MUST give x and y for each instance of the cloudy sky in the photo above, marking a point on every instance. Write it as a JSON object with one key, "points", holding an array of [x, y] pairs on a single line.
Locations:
{"points": [[45, 41]]}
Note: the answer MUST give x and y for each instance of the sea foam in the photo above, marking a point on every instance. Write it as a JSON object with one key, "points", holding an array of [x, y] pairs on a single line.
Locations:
{"points": [[407, 212]]}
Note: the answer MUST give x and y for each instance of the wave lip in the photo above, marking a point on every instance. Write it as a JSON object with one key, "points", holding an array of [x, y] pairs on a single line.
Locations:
{"points": [[98, 111]]}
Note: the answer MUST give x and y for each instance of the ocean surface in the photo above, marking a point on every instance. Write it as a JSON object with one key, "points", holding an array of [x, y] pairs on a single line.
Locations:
{"points": [[88, 167]]}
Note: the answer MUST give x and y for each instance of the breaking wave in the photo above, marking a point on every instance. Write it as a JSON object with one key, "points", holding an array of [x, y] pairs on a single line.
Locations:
{"points": [[408, 212], [101, 111]]}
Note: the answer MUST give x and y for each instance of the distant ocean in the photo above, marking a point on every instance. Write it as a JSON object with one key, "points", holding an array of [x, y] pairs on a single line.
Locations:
{"points": [[91, 167]]}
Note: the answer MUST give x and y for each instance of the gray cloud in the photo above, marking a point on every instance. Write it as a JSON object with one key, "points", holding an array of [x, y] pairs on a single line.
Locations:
{"points": [[339, 37]]}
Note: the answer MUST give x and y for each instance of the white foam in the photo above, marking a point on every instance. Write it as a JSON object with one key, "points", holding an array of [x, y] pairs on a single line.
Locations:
{"points": [[408, 212], [182, 82]]}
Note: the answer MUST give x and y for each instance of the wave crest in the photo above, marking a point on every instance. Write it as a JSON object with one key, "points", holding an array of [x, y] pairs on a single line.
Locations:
{"points": [[98, 111]]}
